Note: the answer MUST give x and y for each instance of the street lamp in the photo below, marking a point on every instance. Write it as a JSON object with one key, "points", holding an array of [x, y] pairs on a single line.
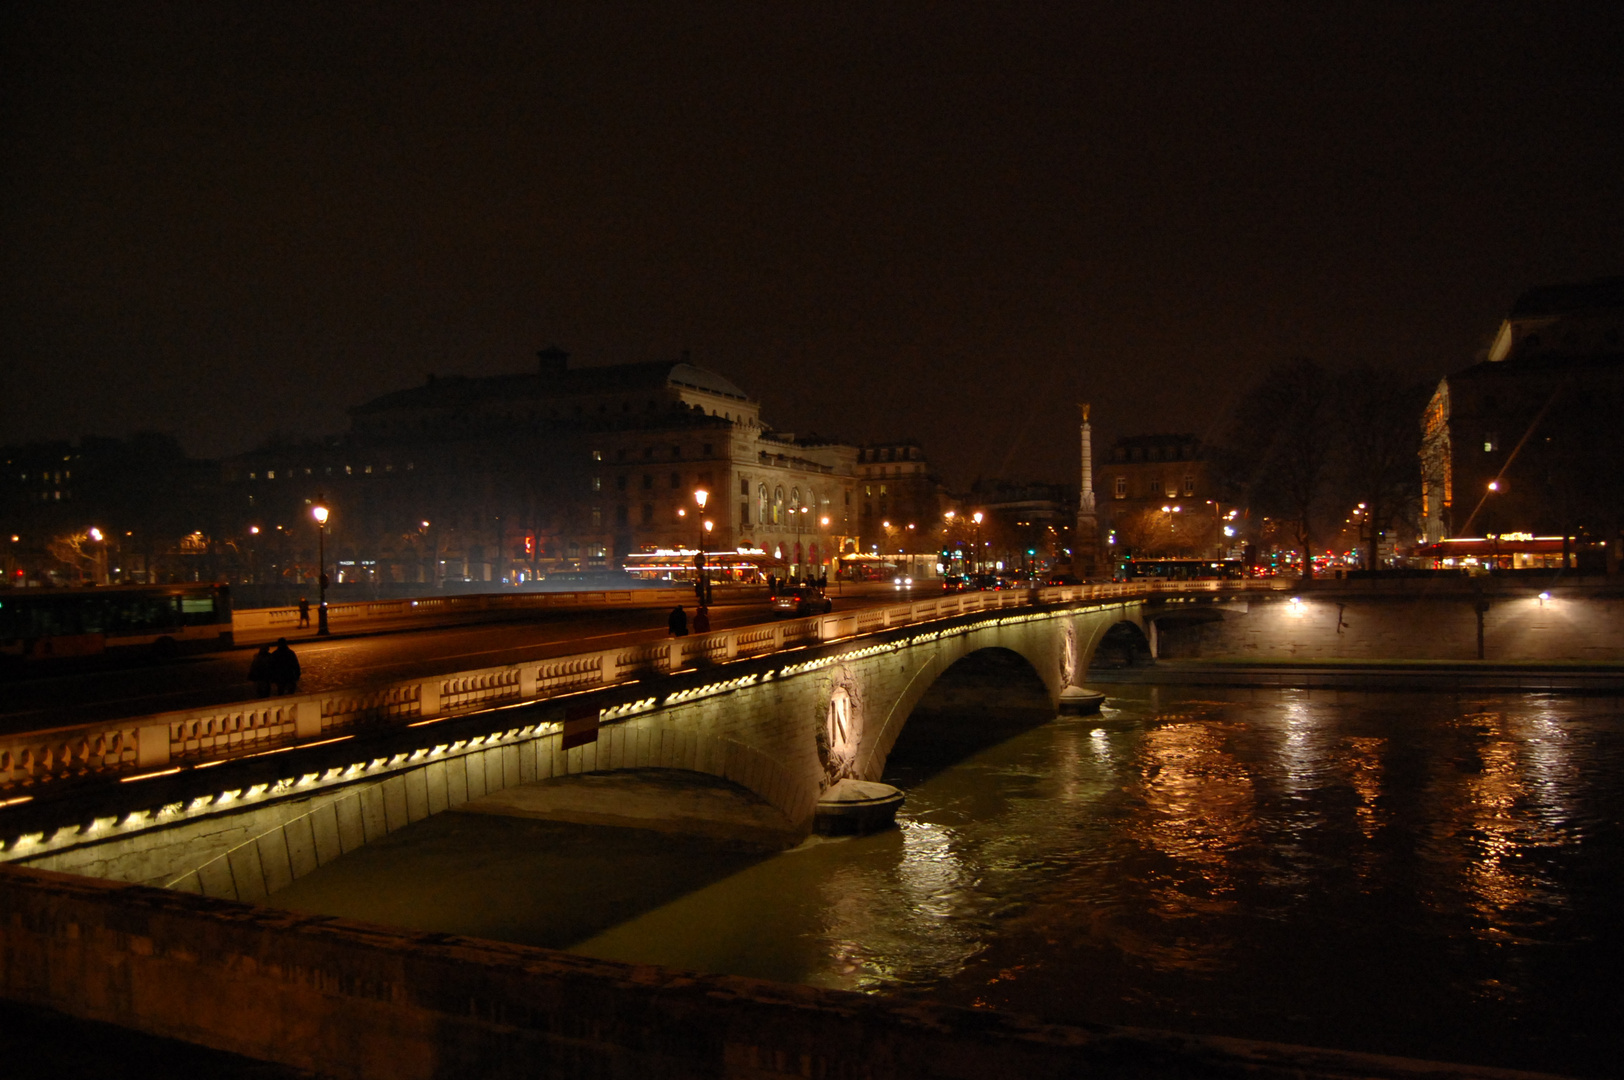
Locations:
{"points": [[95, 535], [319, 512], [702, 591], [976, 517]]}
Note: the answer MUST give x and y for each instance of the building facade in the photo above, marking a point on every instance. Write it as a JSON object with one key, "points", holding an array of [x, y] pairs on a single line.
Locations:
{"points": [[1158, 496], [509, 477], [1527, 442]]}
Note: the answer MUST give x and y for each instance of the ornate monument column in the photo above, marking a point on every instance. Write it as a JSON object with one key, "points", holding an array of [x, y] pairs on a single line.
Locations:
{"points": [[1085, 539]]}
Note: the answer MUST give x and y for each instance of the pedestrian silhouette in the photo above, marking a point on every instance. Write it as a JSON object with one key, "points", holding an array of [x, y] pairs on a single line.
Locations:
{"points": [[284, 668], [304, 612], [701, 620], [678, 622], [259, 671]]}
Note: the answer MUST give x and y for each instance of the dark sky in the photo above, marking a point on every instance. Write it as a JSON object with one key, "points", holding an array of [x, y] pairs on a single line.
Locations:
{"points": [[939, 221]]}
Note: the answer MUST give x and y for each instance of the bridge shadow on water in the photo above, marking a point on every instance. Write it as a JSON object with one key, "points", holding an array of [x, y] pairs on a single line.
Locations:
{"points": [[979, 702], [532, 882]]}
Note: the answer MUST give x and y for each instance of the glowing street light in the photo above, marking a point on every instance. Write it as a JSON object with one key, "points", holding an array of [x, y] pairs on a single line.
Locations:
{"points": [[320, 513], [702, 582]]}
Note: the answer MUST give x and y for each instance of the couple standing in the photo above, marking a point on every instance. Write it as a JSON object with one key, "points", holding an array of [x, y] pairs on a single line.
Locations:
{"points": [[280, 667]]}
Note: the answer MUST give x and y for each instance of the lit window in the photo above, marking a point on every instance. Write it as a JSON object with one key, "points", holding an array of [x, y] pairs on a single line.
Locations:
{"points": [[597, 483], [1189, 485], [597, 516], [1122, 487], [1491, 442], [597, 455], [270, 474]]}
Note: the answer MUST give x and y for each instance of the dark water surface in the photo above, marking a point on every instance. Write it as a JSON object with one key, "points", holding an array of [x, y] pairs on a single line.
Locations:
{"points": [[1411, 874]]}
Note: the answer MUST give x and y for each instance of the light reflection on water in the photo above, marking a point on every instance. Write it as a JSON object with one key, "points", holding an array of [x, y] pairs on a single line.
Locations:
{"points": [[1409, 874], [1395, 873]]}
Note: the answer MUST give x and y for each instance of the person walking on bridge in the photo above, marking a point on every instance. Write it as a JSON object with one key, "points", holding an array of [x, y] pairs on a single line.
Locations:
{"points": [[701, 620], [678, 622], [304, 611], [284, 668]]}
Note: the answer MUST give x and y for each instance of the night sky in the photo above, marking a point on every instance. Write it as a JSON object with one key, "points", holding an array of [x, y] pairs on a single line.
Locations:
{"points": [[945, 222]]}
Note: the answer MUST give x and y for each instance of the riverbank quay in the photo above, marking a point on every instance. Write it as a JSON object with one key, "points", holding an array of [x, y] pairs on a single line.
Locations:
{"points": [[1450, 620], [351, 999], [1602, 680]]}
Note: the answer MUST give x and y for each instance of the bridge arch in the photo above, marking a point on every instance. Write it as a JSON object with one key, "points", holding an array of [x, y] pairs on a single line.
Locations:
{"points": [[1125, 644]]}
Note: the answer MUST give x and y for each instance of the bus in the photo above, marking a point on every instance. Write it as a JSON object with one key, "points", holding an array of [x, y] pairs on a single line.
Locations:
{"points": [[1183, 569], [163, 620]]}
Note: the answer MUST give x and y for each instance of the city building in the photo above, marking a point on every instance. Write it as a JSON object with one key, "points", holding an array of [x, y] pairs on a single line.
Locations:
{"points": [[1026, 525], [1158, 496], [1524, 447], [104, 510], [508, 477], [901, 507]]}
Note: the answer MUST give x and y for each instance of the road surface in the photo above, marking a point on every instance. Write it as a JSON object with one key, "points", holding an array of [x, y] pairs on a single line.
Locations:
{"points": [[36, 700]]}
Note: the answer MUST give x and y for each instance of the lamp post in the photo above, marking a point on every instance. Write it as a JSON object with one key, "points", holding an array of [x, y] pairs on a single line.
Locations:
{"points": [[799, 514], [976, 517], [319, 512], [702, 582]]}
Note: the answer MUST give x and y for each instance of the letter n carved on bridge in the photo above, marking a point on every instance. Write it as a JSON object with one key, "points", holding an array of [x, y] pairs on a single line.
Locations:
{"points": [[839, 734]]}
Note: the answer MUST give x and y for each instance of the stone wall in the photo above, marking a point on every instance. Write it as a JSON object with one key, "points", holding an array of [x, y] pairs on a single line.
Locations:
{"points": [[1326, 625], [349, 999]]}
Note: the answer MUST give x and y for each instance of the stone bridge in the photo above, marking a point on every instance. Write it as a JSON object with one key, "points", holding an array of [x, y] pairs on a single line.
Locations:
{"points": [[238, 803]]}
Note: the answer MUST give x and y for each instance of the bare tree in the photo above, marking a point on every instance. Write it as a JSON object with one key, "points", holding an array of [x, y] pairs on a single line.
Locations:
{"points": [[1377, 449], [1280, 450]]}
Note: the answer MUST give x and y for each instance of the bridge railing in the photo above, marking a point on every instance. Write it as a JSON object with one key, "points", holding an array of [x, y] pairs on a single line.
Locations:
{"points": [[140, 745]]}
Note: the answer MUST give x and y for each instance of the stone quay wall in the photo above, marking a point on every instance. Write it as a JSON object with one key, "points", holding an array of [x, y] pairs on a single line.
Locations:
{"points": [[1326, 623], [354, 1000]]}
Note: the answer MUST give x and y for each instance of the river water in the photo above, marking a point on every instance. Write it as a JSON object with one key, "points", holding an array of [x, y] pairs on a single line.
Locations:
{"points": [[1413, 874]]}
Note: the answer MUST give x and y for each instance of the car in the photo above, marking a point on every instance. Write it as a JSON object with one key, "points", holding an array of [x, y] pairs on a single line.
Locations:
{"points": [[956, 583], [801, 601], [903, 582]]}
